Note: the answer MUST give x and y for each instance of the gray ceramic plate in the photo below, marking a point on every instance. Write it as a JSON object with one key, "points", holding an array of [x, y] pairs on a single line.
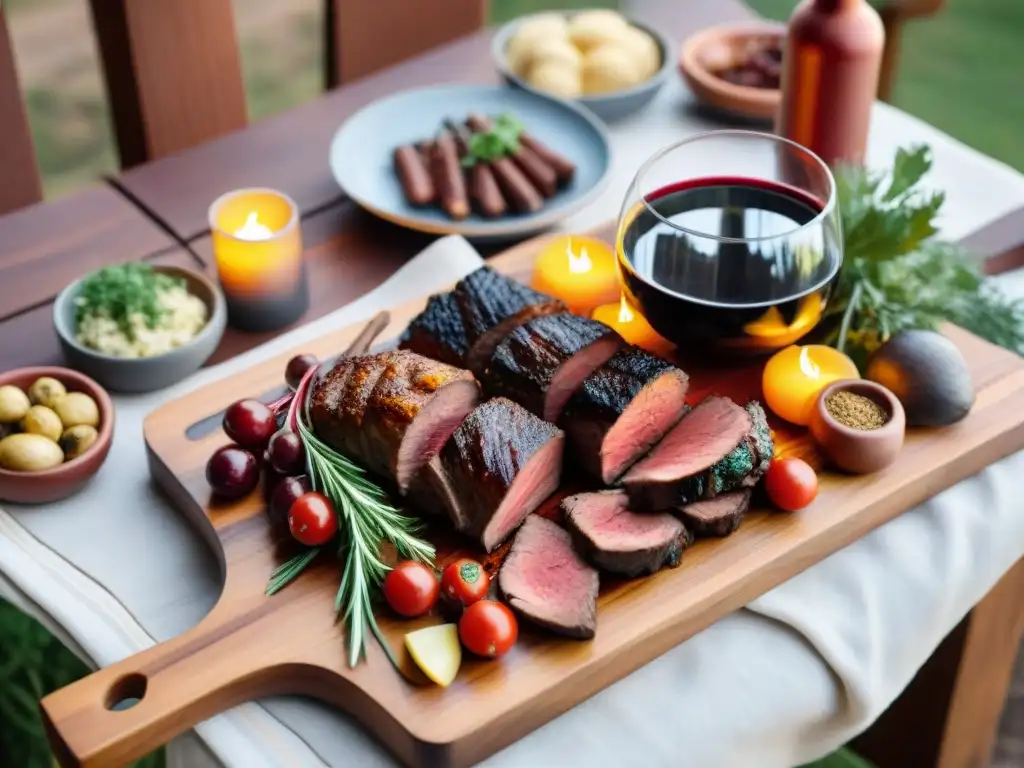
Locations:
{"points": [[362, 149]]}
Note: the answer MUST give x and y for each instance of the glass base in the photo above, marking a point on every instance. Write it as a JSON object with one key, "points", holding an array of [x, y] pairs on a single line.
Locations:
{"points": [[256, 314]]}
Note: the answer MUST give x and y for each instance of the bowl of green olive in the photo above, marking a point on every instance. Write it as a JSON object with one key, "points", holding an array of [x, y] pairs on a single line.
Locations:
{"points": [[56, 426]]}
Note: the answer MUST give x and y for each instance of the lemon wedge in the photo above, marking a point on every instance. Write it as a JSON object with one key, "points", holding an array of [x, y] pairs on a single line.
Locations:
{"points": [[436, 650]]}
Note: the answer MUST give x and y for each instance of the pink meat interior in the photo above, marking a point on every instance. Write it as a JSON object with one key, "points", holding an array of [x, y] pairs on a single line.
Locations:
{"points": [[432, 427], [572, 372], [606, 521], [545, 574], [534, 483], [704, 436], [645, 421]]}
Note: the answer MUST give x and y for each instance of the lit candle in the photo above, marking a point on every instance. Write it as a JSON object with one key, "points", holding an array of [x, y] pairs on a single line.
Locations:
{"points": [[794, 377], [632, 326], [579, 270], [257, 246]]}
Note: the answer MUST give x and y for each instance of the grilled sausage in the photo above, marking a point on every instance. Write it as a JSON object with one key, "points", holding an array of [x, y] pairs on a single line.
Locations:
{"points": [[564, 168], [417, 184], [540, 174], [483, 187], [447, 173]]}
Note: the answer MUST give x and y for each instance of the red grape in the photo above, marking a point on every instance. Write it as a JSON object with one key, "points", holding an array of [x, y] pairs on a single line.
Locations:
{"points": [[232, 472], [297, 368], [285, 452], [285, 494], [250, 423]]}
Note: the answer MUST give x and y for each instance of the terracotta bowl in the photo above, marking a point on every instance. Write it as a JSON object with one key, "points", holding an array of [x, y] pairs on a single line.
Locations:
{"points": [[859, 450], [68, 478], [718, 48]]}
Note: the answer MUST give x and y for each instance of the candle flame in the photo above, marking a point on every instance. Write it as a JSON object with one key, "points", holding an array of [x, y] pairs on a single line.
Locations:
{"points": [[808, 366], [625, 313], [577, 264], [253, 229]]}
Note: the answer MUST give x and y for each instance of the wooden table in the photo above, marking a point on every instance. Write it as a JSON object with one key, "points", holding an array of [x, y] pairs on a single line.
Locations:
{"points": [[157, 212]]}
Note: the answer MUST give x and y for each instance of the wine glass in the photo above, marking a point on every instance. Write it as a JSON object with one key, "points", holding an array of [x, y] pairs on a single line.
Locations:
{"points": [[731, 239]]}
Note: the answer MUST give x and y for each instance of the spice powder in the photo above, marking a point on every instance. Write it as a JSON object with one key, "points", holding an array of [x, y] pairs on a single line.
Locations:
{"points": [[856, 411]]}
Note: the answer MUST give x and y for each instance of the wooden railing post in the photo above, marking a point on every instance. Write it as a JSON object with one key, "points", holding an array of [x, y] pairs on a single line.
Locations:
{"points": [[363, 36], [19, 176], [173, 73]]}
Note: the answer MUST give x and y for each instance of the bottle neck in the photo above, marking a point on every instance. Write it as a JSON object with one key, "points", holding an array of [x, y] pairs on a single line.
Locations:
{"points": [[833, 6]]}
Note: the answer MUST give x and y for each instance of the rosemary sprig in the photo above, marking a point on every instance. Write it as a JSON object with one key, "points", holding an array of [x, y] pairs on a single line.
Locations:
{"points": [[366, 521], [287, 572]]}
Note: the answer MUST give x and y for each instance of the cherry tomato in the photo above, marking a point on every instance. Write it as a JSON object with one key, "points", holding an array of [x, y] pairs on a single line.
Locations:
{"points": [[488, 628], [411, 589], [465, 581], [791, 484], [312, 519]]}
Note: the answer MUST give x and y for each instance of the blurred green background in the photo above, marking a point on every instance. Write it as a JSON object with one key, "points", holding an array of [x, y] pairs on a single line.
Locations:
{"points": [[960, 71]]}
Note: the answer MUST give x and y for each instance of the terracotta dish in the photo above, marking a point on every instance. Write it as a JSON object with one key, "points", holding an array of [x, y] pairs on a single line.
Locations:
{"points": [[63, 480], [718, 48], [859, 450]]}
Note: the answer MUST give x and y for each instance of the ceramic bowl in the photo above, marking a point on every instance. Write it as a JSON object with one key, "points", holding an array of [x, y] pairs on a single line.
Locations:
{"points": [[717, 48], [68, 478], [147, 373], [859, 451], [607, 106]]}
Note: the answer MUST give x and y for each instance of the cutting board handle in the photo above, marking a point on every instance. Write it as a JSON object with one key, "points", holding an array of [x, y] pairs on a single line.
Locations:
{"points": [[127, 710]]}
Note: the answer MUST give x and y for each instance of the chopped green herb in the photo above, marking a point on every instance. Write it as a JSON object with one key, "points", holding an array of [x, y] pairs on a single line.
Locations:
{"points": [[500, 141], [121, 291]]}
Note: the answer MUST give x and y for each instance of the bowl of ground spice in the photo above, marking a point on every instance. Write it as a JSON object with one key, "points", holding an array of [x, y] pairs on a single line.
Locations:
{"points": [[858, 425]]}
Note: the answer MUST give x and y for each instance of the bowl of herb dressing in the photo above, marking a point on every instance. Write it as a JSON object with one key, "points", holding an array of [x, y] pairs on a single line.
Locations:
{"points": [[138, 327]]}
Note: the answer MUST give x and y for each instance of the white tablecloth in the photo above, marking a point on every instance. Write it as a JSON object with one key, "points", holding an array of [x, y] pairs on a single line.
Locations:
{"points": [[787, 679]]}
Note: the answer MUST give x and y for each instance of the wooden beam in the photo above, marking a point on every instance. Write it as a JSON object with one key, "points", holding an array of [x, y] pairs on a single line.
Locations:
{"points": [[363, 36], [20, 185], [173, 73]]}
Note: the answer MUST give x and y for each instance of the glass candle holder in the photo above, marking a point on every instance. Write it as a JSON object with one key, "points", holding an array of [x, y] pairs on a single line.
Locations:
{"points": [[257, 246]]}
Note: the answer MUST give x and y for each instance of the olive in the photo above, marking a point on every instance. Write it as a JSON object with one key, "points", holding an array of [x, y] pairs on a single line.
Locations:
{"points": [[77, 408], [14, 403], [250, 423], [232, 472], [40, 420], [77, 440], [29, 453], [297, 368], [285, 452], [285, 494], [46, 391]]}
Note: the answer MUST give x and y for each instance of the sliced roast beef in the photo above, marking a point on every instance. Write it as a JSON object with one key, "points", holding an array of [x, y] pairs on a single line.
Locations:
{"points": [[395, 410], [437, 332], [545, 581], [621, 411], [716, 447], [501, 463], [431, 492], [542, 363], [464, 326], [614, 539], [718, 516], [492, 304]]}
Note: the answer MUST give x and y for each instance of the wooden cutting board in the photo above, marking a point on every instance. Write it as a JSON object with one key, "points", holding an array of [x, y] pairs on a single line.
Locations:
{"points": [[251, 645]]}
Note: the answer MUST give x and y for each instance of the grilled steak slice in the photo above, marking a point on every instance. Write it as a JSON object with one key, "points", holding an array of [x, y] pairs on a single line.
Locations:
{"points": [[437, 332], [431, 491], [545, 581], [501, 463], [396, 411], [718, 516], [710, 451], [542, 363], [613, 539], [491, 305], [621, 411]]}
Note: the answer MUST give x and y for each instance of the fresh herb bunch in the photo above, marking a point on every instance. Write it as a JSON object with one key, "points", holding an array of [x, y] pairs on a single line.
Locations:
{"points": [[501, 140], [896, 276], [124, 290], [366, 521]]}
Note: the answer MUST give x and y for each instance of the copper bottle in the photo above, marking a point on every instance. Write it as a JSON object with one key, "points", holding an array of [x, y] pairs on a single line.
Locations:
{"points": [[831, 63]]}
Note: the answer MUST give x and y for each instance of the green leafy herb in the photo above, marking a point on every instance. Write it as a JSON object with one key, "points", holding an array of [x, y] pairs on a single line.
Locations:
{"points": [[366, 521], [500, 141], [124, 290], [896, 276]]}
